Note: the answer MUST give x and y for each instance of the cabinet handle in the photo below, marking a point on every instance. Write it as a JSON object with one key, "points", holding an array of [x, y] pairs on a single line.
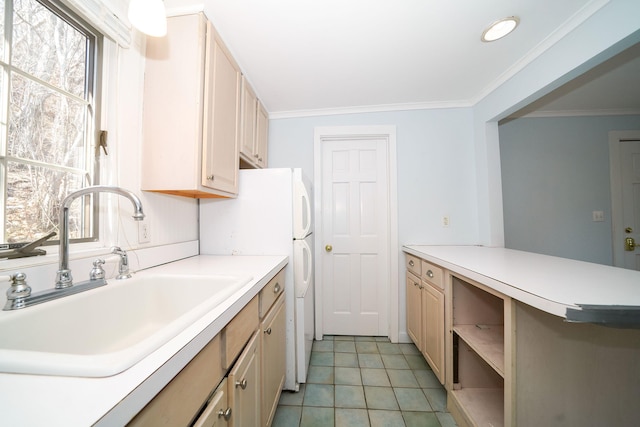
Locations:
{"points": [[242, 384], [267, 331], [411, 263], [430, 274], [210, 177], [276, 288], [225, 413], [256, 156]]}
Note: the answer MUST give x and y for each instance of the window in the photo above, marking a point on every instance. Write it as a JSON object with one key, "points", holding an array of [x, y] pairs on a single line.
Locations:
{"points": [[48, 99]]}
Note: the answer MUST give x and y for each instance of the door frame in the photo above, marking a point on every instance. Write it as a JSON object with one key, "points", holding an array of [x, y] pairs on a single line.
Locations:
{"points": [[333, 133], [617, 234]]}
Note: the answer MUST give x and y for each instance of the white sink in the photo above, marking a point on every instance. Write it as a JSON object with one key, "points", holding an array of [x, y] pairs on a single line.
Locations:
{"points": [[105, 331]]}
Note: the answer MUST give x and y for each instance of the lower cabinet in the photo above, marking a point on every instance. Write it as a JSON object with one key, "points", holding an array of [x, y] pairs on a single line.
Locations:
{"points": [[433, 325], [273, 359], [217, 412], [236, 379], [179, 402], [244, 386], [414, 309], [426, 312]]}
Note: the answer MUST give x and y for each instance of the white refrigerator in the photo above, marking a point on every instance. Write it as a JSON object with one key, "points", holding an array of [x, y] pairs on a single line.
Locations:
{"points": [[272, 215]]}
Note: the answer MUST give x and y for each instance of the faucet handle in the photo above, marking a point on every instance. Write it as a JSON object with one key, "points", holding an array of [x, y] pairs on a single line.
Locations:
{"points": [[117, 250], [123, 267], [18, 291], [97, 272]]}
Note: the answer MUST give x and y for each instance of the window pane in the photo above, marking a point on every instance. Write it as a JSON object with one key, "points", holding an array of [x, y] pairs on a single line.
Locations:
{"points": [[45, 125], [34, 195], [46, 47], [2, 31]]}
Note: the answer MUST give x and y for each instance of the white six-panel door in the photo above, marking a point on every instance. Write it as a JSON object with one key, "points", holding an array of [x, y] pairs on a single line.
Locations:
{"points": [[355, 237], [625, 190]]}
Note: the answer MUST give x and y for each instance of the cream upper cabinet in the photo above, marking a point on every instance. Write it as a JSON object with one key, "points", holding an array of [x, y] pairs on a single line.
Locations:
{"points": [[262, 135], [249, 112], [255, 129], [191, 117]]}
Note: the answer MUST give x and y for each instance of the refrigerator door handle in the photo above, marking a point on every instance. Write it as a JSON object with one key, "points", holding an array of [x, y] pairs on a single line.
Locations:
{"points": [[302, 213], [309, 254]]}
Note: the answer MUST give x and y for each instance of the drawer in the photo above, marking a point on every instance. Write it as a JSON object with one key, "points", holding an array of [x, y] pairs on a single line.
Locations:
{"points": [[433, 274], [217, 411], [413, 264], [191, 387], [238, 331], [271, 292]]}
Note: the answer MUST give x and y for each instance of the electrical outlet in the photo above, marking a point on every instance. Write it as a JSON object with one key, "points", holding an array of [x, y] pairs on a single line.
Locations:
{"points": [[445, 221], [144, 232], [598, 216]]}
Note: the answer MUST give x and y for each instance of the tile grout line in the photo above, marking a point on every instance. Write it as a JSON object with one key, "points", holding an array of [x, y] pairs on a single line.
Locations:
{"points": [[358, 365]]}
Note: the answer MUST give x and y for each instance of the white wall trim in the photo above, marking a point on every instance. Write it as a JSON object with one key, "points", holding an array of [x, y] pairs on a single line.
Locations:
{"points": [[370, 109], [388, 133]]}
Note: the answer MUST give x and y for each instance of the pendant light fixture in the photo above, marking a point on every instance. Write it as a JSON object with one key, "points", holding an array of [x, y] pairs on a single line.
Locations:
{"points": [[500, 28], [148, 16]]}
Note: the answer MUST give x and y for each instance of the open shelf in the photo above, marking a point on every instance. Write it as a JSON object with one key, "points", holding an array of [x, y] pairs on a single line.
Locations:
{"points": [[484, 406], [487, 341], [479, 353]]}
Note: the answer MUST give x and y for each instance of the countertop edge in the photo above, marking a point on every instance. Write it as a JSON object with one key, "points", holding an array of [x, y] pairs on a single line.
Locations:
{"points": [[542, 283]]}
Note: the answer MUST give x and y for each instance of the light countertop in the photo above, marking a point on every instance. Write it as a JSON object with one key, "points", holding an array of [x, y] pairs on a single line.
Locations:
{"points": [[29, 400], [548, 283]]}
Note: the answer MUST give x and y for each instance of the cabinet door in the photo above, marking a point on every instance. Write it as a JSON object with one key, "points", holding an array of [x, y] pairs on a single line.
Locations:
{"points": [[221, 124], [249, 111], [273, 359], [179, 402], [244, 386], [433, 315], [217, 413], [414, 310], [262, 136]]}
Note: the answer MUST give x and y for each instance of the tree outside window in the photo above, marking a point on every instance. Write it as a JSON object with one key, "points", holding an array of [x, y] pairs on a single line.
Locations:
{"points": [[47, 123]]}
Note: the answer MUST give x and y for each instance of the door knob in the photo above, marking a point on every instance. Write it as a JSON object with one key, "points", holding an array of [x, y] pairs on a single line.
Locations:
{"points": [[629, 244], [328, 248]]}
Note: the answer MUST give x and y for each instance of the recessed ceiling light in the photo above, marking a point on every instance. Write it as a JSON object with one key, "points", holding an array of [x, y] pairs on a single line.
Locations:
{"points": [[500, 28]]}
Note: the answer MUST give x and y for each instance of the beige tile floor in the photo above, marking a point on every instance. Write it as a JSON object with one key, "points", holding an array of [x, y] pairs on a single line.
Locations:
{"points": [[365, 381]]}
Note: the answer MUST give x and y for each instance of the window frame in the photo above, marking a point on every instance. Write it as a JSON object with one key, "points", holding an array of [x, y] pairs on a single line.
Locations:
{"points": [[95, 52]]}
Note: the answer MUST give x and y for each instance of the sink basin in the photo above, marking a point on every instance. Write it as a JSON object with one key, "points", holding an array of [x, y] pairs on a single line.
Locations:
{"points": [[105, 331]]}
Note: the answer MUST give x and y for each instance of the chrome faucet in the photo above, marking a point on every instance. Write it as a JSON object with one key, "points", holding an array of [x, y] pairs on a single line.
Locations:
{"points": [[63, 276], [19, 294]]}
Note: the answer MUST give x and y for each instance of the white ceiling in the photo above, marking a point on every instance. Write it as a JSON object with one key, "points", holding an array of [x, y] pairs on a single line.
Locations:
{"points": [[306, 57]]}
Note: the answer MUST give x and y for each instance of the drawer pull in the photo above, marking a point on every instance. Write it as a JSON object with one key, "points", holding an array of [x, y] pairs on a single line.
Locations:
{"points": [[276, 288], [411, 263], [267, 331], [416, 284], [242, 384], [430, 274], [225, 413]]}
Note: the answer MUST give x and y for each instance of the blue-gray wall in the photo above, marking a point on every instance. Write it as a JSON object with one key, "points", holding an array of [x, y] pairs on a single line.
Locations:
{"points": [[555, 173]]}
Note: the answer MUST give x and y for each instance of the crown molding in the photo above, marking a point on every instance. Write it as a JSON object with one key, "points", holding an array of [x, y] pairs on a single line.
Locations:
{"points": [[370, 109]]}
